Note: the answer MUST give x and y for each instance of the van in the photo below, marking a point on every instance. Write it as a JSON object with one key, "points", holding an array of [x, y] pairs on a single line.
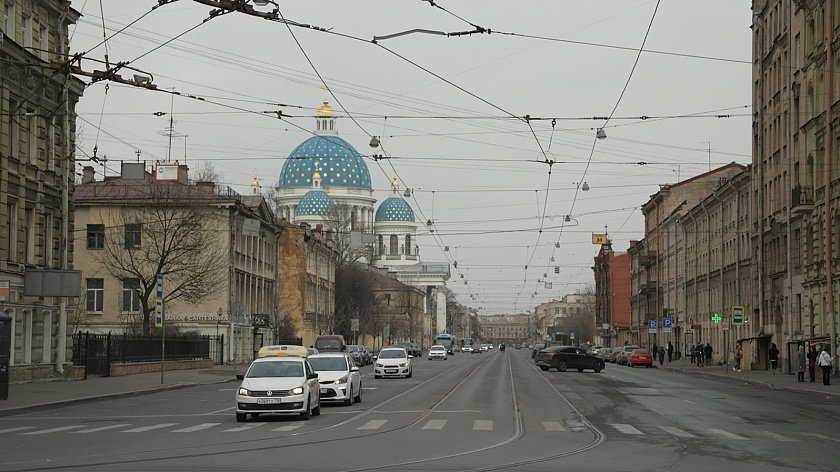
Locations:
{"points": [[331, 343]]}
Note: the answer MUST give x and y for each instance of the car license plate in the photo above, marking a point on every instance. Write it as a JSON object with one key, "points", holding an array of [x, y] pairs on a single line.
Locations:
{"points": [[390, 371], [264, 401], [324, 390]]}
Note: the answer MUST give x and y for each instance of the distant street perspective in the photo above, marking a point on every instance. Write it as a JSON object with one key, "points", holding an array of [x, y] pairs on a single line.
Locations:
{"points": [[425, 235]]}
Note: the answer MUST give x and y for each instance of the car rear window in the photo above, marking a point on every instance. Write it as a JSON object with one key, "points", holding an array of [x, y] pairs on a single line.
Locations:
{"points": [[641, 351]]}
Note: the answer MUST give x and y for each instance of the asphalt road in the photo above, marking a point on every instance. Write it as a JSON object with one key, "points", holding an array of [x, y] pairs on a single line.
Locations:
{"points": [[492, 411]]}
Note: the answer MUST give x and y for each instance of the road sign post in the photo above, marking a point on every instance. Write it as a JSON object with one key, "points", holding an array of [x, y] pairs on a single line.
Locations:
{"points": [[160, 321]]}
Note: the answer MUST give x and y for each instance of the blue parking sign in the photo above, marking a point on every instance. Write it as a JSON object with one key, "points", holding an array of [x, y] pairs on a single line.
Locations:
{"points": [[667, 322], [651, 324]]}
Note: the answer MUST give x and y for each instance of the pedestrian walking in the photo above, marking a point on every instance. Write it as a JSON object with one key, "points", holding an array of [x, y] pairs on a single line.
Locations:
{"points": [[655, 350], [661, 355], [692, 352], [739, 354], [801, 362], [700, 353], [774, 357], [824, 362], [670, 351], [708, 352], [812, 364]]}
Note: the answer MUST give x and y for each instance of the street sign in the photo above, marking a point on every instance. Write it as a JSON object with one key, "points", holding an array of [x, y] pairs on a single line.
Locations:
{"points": [[651, 326], [599, 238], [159, 302], [667, 324], [737, 315], [354, 324], [571, 335]]}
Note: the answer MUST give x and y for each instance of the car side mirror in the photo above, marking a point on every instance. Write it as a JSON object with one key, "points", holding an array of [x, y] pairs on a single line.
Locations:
{"points": [[312, 375], [240, 376], [354, 369], [375, 357], [410, 356]]}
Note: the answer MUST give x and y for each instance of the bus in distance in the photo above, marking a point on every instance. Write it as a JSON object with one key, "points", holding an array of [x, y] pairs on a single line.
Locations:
{"points": [[448, 341]]}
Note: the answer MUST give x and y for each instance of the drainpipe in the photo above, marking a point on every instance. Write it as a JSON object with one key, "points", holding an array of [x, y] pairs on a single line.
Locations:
{"points": [[789, 196], [737, 242], [720, 277], [708, 260], [828, 158], [696, 263], [684, 271], [760, 186]]}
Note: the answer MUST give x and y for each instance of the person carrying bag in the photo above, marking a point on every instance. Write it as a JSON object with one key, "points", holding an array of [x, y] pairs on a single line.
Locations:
{"points": [[824, 361]]}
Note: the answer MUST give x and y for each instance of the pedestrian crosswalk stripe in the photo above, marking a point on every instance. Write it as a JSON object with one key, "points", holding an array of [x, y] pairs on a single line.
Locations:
{"points": [[102, 428], [198, 427], [288, 427], [12, 430], [626, 428], [243, 428], [727, 434], [373, 424], [553, 426], [778, 437], [435, 424], [677, 432], [483, 425], [55, 430], [143, 429]]}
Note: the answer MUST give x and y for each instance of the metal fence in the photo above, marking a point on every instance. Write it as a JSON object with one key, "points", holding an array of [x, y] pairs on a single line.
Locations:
{"points": [[98, 351]]}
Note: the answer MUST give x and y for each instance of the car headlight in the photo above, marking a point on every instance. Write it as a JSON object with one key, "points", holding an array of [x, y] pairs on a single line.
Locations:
{"points": [[379, 365], [404, 364], [244, 391], [342, 380], [297, 390]]}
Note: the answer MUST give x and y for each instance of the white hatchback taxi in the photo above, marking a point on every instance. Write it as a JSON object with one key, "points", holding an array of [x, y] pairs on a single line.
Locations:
{"points": [[392, 362], [278, 385], [437, 352]]}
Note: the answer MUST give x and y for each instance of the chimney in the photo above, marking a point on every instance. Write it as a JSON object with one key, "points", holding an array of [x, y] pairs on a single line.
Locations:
{"points": [[182, 174], [208, 187], [88, 175], [633, 243]]}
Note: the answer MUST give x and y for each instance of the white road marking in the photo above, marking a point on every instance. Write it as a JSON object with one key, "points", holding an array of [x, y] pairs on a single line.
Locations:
{"points": [[243, 428], [626, 428], [778, 437], [727, 434], [195, 428], [457, 411], [143, 429], [435, 424], [55, 430], [553, 426], [689, 401], [822, 436], [483, 425], [677, 432], [290, 427], [11, 430], [373, 424], [102, 428], [221, 411]]}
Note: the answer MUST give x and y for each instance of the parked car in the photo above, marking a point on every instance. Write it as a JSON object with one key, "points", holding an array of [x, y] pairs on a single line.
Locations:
{"points": [[417, 350], [437, 352], [392, 362], [605, 354], [640, 357], [311, 351], [614, 353], [411, 348], [368, 355], [568, 357], [356, 353], [624, 354], [278, 385], [338, 376], [536, 349]]}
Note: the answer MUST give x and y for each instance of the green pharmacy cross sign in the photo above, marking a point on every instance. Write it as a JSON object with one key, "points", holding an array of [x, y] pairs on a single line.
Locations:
{"points": [[716, 318]]}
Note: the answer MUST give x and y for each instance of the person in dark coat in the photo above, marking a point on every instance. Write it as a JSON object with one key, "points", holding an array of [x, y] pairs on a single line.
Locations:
{"points": [[661, 355], [812, 364], [670, 351], [801, 363], [654, 350], [773, 353], [708, 352]]}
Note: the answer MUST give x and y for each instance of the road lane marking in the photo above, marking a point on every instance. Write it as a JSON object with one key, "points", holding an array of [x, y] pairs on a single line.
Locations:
{"points": [[483, 425], [626, 428], [243, 428], [822, 436], [54, 430], [220, 411], [290, 427], [102, 428], [143, 429], [553, 426], [20, 428], [727, 434], [778, 437], [689, 401], [677, 432], [195, 428], [373, 424], [435, 424]]}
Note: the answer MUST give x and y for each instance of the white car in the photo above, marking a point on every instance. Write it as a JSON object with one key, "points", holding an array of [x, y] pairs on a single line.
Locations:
{"points": [[392, 362], [467, 349], [339, 377], [278, 385], [437, 352]]}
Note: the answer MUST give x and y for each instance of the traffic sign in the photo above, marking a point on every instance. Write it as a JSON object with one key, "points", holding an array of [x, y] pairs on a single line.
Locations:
{"points": [[651, 326], [667, 324], [737, 315], [571, 335], [159, 302]]}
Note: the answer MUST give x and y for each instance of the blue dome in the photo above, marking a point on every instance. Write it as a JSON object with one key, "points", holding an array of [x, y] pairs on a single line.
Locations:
{"points": [[314, 203], [339, 164], [394, 209]]}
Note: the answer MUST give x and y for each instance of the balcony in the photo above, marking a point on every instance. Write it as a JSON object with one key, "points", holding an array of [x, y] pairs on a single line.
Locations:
{"points": [[802, 200], [648, 259], [647, 289]]}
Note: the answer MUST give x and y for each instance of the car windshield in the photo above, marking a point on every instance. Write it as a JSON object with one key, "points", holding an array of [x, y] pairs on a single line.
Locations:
{"points": [[323, 364], [391, 354], [276, 369], [328, 344], [438, 348]]}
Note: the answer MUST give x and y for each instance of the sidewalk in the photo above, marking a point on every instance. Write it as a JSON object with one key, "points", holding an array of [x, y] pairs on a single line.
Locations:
{"points": [[24, 398], [763, 378]]}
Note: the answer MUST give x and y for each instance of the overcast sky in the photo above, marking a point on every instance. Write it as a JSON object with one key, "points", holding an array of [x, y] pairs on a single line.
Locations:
{"points": [[449, 109]]}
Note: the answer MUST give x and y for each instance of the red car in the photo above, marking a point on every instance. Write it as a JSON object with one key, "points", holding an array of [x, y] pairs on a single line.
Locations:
{"points": [[640, 357]]}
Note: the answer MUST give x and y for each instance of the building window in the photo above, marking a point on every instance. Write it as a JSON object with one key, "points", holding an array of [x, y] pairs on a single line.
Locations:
{"points": [[395, 245], [95, 295], [49, 143], [381, 246], [132, 235], [131, 296], [49, 234], [29, 236], [11, 231], [43, 43], [9, 21], [26, 32], [96, 236], [46, 350], [408, 245], [32, 138]]}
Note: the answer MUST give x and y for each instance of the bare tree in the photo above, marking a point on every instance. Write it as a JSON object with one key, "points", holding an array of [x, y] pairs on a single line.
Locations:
{"points": [[341, 221], [171, 231], [205, 172]]}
